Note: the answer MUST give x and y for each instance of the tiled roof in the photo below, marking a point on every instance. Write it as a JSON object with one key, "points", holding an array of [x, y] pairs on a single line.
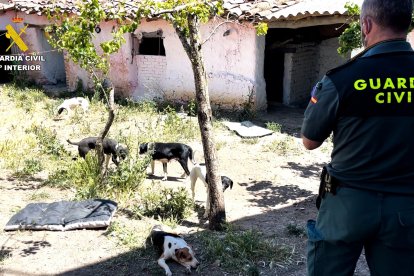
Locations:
{"points": [[263, 10]]}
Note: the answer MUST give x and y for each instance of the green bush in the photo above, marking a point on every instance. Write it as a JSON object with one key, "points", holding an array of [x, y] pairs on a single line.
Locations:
{"points": [[164, 203], [49, 143], [118, 183], [30, 168], [275, 127], [59, 178], [123, 182], [192, 107], [85, 176]]}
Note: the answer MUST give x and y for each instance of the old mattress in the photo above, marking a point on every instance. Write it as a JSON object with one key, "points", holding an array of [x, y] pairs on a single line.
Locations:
{"points": [[63, 215]]}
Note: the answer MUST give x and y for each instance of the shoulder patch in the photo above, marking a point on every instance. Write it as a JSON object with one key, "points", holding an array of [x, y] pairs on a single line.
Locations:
{"points": [[318, 86]]}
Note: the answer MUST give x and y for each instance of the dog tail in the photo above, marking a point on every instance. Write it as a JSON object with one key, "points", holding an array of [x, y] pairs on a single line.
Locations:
{"points": [[72, 143], [192, 156]]}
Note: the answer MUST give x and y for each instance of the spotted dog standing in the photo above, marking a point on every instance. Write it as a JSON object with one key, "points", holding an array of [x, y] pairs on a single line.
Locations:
{"points": [[199, 172], [165, 152], [71, 104]]}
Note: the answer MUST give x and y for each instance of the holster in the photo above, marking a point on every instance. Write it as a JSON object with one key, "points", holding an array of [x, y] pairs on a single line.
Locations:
{"points": [[328, 184]]}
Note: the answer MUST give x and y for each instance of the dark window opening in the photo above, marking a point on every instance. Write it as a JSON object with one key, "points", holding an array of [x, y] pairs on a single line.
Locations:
{"points": [[152, 46], [5, 76]]}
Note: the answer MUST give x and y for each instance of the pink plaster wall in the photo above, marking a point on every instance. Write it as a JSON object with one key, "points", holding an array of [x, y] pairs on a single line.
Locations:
{"points": [[234, 65]]}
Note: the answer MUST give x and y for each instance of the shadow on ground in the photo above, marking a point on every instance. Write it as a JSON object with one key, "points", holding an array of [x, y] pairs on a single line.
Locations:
{"points": [[313, 170], [266, 194]]}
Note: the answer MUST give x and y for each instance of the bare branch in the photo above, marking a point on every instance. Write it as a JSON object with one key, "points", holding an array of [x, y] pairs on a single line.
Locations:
{"points": [[215, 29]]}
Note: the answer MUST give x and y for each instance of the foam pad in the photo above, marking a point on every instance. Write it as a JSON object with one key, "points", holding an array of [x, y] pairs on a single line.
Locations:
{"points": [[64, 215]]}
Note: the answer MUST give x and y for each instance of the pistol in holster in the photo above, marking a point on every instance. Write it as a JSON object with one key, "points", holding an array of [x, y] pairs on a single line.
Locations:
{"points": [[327, 185]]}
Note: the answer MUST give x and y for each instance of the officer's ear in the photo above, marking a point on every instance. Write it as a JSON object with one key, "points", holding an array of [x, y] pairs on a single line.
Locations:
{"points": [[366, 24]]}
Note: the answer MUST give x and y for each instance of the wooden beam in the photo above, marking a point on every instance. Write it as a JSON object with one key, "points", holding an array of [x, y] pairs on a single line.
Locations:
{"points": [[309, 22]]}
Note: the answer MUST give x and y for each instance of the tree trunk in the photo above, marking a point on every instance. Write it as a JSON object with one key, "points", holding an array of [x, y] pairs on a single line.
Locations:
{"points": [[111, 115], [217, 215]]}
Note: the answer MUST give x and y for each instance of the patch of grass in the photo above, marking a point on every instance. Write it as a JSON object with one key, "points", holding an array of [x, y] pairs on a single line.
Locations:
{"points": [[14, 151], [130, 108], [127, 236], [176, 128], [166, 204], [283, 145], [48, 141], [220, 144], [242, 251], [275, 127], [30, 168], [77, 117], [250, 141], [59, 177], [37, 196], [25, 98], [295, 230], [51, 108]]}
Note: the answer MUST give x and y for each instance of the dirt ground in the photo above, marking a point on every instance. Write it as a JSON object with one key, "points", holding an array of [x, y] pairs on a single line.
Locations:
{"points": [[271, 191]]}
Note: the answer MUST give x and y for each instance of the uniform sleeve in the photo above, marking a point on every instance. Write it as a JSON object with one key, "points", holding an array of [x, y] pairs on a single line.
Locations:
{"points": [[320, 115]]}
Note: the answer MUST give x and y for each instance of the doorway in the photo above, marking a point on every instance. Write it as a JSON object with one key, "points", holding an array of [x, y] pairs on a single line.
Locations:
{"points": [[5, 76], [274, 65]]}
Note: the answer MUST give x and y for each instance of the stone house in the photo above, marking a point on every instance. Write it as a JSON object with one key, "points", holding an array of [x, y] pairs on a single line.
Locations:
{"points": [[280, 67]]}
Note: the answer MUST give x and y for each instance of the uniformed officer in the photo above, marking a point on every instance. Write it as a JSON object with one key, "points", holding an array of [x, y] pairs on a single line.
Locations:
{"points": [[368, 105]]}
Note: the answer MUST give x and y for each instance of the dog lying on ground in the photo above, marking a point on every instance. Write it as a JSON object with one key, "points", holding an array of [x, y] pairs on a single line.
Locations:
{"points": [[71, 104], [164, 152], [110, 148], [172, 246], [199, 172]]}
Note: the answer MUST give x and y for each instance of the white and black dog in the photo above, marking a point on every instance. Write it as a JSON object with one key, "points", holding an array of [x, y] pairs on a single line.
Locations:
{"points": [[164, 152], [199, 172], [110, 147], [71, 104], [172, 246]]}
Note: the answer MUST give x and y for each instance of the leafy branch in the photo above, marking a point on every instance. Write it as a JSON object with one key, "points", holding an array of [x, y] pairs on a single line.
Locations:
{"points": [[351, 37]]}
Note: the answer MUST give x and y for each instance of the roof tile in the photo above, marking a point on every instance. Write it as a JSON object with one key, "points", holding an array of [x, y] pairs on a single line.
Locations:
{"points": [[267, 10]]}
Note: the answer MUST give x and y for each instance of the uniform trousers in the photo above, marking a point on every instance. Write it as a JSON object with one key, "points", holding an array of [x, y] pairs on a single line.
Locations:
{"points": [[353, 219]]}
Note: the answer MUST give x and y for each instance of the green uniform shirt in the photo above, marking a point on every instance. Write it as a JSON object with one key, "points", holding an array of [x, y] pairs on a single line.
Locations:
{"points": [[367, 105]]}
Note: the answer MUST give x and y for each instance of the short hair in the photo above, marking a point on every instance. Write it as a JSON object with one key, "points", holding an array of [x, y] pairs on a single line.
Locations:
{"points": [[393, 14]]}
